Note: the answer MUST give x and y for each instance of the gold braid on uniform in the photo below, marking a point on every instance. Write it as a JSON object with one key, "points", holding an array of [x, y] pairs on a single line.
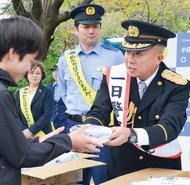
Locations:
{"points": [[174, 77], [165, 132], [131, 114]]}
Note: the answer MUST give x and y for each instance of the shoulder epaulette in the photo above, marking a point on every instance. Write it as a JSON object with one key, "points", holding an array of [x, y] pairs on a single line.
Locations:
{"points": [[174, 77], [110, 47]]}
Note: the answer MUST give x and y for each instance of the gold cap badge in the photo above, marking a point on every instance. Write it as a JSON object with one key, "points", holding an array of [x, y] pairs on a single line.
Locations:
{"points": [[90, 10], [133, 31]]}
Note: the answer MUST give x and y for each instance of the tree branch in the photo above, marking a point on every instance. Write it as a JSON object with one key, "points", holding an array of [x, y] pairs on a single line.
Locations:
{"points": [[56, 5], [37, 10], [19, 8]]}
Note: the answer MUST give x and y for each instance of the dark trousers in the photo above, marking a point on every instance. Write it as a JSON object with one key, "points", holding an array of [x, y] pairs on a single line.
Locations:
{"points": [[127, 158], [98, 173], [59, 123]]}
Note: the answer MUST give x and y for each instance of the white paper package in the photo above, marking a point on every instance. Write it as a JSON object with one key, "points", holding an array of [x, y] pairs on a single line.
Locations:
{"points": [[100, 133], [164, 181], [66, 157]]}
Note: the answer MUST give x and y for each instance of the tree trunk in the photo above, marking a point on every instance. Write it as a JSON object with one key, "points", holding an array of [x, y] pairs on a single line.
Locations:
{"points": [[45, 13]]}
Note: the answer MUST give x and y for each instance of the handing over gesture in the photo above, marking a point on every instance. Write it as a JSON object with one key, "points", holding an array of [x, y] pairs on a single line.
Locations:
{"points": [[80, 142], [83, 143]]}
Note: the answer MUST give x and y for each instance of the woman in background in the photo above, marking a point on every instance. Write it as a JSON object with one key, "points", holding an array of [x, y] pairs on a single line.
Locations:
{"points": [[35, 103]]}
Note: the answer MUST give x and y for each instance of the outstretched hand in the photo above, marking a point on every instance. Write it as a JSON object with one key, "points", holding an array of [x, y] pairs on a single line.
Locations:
{"points": [[83, 143], [53, 133], [119, 136]]}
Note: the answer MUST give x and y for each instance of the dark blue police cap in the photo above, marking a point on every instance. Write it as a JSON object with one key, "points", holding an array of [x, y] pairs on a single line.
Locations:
{"points": [[142, 35], [87, 14], [54, 67]]}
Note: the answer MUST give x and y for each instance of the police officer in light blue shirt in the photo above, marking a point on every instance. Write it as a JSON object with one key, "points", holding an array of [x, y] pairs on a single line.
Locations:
{"points": [[80, 72]]}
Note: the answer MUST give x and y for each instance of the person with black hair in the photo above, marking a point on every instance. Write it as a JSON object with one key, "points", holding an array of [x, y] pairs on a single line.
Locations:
{"points": [[22, 42]]}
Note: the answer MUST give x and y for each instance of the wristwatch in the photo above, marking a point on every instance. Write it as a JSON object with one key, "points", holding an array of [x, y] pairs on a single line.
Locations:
{"points": [[133, 136]]}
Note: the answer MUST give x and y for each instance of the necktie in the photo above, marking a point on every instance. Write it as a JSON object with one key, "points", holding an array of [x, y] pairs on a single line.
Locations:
{"points": [[142, 88]]}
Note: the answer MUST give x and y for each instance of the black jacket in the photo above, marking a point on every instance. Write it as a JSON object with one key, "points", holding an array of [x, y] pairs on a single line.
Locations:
{"points": [[164, 103], [15, 150], [41, 108]]}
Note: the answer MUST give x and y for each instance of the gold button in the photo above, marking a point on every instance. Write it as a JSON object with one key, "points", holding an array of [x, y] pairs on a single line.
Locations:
{"points": [[157, 117], [159, 83], [141, 157], [139, 117]]}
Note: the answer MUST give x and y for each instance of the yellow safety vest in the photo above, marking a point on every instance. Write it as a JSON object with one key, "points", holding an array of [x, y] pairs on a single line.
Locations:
{"points": [[25, 107]]}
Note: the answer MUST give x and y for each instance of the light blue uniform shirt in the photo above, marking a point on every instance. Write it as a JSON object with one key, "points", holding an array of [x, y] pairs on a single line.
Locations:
{"points": [[101, 55]]}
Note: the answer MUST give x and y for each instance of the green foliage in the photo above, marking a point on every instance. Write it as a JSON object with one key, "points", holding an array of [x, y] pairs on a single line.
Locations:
{"points": [[171, 14], [22, 83], [64, 37]]}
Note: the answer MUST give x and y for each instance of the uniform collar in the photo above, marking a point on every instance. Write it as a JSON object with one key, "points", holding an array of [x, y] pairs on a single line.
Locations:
{"points": [[149, 80], [54, 84], [96, 49]]}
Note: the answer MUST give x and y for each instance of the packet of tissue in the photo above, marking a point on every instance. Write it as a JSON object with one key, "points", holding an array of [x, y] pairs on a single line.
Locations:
{"points": [[100, 133], [70, 156], [65, 157]]}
